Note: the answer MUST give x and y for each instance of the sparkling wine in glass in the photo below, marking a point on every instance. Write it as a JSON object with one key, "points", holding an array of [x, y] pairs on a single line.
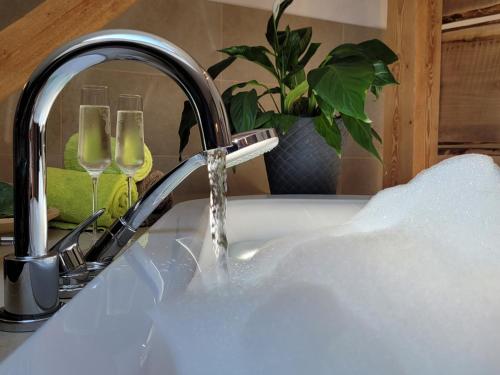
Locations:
{"points": [[94, 136], [129, 152]]}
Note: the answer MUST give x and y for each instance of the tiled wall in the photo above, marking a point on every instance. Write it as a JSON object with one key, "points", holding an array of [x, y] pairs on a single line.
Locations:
{"points": [[201, 28]]}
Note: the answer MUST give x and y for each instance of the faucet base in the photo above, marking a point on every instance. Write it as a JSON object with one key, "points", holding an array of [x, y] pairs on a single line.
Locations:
{"points": [[31, 286], [72, 283], [13, 323]]}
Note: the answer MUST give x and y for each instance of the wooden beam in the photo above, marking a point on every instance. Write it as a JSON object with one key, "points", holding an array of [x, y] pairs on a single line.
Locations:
{"points": [[29, 40], [412, 107], [454, 10], [470, 22]]}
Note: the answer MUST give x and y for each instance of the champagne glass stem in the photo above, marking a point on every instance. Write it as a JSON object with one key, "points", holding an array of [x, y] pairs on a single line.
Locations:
{"points": [[94, 202], [129, 191]]}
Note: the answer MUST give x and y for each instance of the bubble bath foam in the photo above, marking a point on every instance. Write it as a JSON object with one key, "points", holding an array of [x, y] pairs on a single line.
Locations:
{"points": [[411, 285]]}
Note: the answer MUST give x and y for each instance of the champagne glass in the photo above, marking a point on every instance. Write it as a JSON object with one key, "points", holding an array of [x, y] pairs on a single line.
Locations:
{"points": [[129, 152], [94, 136]]}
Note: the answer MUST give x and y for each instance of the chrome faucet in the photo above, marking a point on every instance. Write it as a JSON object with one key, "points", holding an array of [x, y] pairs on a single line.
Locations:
{"points": [[31, 274]]}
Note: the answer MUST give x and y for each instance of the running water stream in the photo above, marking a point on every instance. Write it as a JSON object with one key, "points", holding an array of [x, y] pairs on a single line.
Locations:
{"points": [[216, 164]]}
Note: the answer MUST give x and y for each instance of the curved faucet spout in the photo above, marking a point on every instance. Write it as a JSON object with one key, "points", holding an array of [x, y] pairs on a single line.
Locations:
{"points": [[30, 285], [49, 79]]}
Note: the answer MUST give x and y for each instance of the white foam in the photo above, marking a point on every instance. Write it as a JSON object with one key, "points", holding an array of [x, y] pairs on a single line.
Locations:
{"points": [[410, 286]]}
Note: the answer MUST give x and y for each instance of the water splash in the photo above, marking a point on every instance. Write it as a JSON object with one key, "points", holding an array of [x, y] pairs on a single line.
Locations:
{"points": [[216, 164]]}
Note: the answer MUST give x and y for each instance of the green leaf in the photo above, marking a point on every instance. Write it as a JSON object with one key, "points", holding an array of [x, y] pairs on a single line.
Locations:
{"points": [[313, 47], [244, 110], [383, 75], [263, 118], [256, 54], [376, 135], [377, 50], [329, 131], [296, 41], [252, 82], [295, 78], [371, 50], [281, 122], [362, 133], [188, 120], [301, 108], [217, 69], [227, 94], [343, 52], [6, 200], [295, 94], [272, 90], [326, 109], [343, 86], [312, 102], [291, 45], [376, 90], [279, 7]]}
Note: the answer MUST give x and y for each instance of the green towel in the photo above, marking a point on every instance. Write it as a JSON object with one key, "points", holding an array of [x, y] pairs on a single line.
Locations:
{"points": [[71, 159], [71, 193]]}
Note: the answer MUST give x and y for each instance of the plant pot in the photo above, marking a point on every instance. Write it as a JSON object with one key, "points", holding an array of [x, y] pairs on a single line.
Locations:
{"points": [[302, 163]]}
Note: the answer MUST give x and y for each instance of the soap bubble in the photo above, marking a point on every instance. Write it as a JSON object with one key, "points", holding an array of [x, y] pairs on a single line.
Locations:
{"points": [[411, 285]]}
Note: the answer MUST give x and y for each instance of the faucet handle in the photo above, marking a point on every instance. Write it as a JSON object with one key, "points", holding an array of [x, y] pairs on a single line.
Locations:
{"points": [[71, 258]]}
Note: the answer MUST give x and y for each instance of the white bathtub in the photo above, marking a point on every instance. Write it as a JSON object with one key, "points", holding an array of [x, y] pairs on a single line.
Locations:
{"points": [[108, 327]]}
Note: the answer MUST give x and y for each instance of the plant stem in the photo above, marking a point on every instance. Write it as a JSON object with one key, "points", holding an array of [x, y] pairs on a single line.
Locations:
{"points": [[260, 106], [274, 102], [129, 191], [279, 70], [94, 203]]}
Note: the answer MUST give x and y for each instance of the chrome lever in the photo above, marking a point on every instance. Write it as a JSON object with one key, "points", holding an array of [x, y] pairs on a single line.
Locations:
{"points": [[73, 271]]}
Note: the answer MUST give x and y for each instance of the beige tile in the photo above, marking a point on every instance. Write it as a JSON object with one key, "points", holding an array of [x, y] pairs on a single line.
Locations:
{"points": [[162, 101], [245, 26], [6, 164], [164, 163], [358, 34], [195, 186], [55, 160], [53, 129], [6, 168], [7, 112], [375, 110], [193, 25], [351, 148], [328, 33], [249, 178], [360, 176]]}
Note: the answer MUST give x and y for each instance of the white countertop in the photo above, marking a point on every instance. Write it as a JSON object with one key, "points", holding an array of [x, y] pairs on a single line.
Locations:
{"points": [[10, 341]]}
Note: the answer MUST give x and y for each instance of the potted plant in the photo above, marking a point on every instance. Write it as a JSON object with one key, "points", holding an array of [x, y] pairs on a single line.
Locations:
{"points": [[313, 110]]}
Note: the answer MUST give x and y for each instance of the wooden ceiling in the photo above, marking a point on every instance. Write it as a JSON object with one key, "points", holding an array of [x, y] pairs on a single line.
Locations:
{"points": [[29, 40]]}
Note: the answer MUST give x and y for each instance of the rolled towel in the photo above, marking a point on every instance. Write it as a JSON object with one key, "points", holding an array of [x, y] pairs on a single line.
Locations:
{"points": [[71, 159], [71, 193]]}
